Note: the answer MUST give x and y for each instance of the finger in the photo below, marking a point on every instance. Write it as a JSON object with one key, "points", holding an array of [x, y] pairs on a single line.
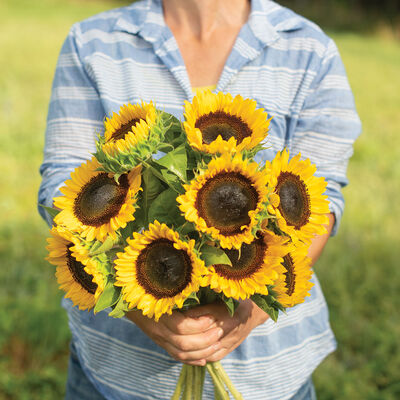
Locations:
{"points": [[200, 363], [181, 324], [229, 342], [196, 342], [218, 355], [198, 356], [148, 325]]}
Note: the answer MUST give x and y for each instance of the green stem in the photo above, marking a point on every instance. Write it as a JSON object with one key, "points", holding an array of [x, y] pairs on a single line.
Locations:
{"points": [[180, 384], [217, 395], [196, 384], [219, 370], [219, 389], [187, 395]]}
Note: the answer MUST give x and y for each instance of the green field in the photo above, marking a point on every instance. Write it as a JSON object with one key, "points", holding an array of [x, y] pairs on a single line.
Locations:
{"points": [[358, 270]]}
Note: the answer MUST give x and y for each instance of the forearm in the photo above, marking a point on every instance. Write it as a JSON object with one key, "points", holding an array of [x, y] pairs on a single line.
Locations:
{"points": [[319, 242]]}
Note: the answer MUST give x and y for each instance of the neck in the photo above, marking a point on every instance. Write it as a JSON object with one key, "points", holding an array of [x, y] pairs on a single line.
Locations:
{"points": [[202, 17]]}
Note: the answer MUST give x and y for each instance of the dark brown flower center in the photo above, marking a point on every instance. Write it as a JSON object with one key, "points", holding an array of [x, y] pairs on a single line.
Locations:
{"points": [[294, 199], [225, 200], [124, 129], [79, 274], [290, 277], [163, 270], [244, 263], [226, 125], [100, 199]]}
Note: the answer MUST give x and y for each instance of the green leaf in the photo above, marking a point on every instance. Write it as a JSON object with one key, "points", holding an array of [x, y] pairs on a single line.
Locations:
{"points": [[194, 159], [139, 222], [152, 187], [165, 209], [172, 181], [231, 304], [263, 302], [207, 295], [120, 308], [272, 301], [176, 162], [186, 228], [52, 211], [165, 175], [214, 255], [191, 301], [103, 262], [131, 227], [175, 135], [108, 298]]}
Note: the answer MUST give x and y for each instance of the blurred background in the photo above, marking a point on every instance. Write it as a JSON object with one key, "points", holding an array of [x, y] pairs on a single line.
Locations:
{"points": [[358, 271]]}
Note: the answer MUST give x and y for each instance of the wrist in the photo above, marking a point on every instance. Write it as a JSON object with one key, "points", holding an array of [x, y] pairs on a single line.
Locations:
{"points": [[252, 313]]}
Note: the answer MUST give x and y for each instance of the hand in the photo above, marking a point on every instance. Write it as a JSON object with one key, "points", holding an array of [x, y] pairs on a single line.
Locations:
{"points": [[247, 316], [187, 339]]}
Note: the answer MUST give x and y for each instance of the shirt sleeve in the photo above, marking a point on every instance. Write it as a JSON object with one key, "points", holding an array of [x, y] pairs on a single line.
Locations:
{"points": [[74, 120], [327, 127]]}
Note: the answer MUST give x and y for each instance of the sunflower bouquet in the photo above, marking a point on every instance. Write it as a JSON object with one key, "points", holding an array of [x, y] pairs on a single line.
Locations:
{"points": [[168, 215]]}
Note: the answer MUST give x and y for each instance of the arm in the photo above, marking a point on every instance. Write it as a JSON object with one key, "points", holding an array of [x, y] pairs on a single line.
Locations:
{"points": [[75, 116], [319, 242]]}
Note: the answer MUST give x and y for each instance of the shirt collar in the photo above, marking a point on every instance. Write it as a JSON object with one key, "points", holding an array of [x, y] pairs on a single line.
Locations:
{"points": [[145, 18]]}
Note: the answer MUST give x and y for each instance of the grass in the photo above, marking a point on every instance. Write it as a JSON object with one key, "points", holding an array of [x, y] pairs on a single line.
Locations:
{"points": [[358, 270]]}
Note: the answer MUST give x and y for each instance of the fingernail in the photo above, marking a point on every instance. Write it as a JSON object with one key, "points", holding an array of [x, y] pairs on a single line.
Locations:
{"points": [[220, 332]]}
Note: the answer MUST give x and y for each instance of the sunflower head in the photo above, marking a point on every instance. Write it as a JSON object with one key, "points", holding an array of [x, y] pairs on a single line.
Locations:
{"points": [[218, 123], [158, 271], [77, 274], [302, 208], [94, 204], [293, 284], [223, 200], [254, 266], [126, 129]]}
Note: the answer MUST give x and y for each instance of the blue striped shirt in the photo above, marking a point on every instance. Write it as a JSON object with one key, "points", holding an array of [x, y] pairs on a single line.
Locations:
{"points": [[293, 70]]}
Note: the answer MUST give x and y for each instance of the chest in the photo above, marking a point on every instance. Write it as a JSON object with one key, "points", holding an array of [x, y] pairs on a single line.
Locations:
{"points": [[205, 59]]}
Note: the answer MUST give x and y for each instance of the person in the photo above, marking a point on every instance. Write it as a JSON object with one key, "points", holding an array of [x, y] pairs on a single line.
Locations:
{"points": [[160, 51]]}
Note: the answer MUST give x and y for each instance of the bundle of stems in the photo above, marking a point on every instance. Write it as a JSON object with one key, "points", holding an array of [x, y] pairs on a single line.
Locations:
{"points": [[191, 382]]}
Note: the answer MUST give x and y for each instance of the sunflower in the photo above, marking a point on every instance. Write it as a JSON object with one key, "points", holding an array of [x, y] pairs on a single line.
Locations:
{"points": [[158, 271], [217, 123], [302, 208], [126, 129], [293, 284], [77, 274], [224, 200], [94, 204], [253, 267]]}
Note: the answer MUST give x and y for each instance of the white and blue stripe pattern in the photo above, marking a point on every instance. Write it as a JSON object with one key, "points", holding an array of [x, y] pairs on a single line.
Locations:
{"points": [[293, 71]]}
